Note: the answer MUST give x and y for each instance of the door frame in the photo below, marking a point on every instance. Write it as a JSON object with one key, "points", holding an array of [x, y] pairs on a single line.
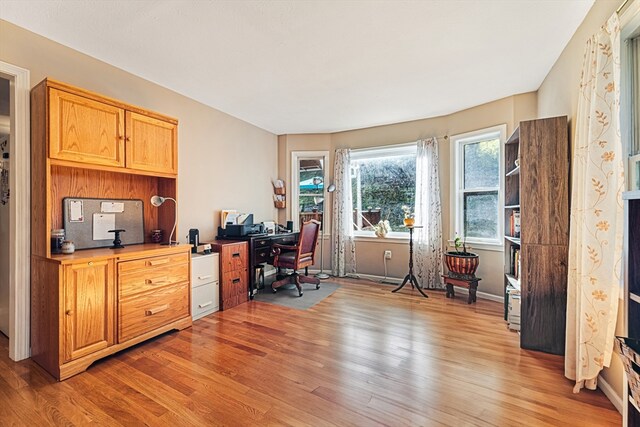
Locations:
{"points": [[19, 211]]}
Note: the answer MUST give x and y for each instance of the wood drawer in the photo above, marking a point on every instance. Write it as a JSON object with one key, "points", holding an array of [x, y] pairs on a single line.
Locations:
{"points": [[205, 299], [204, 269], [152, 263], [150, 311], [284, 240], [233, 289], [233, 257], [149, 279], [262, 255]]}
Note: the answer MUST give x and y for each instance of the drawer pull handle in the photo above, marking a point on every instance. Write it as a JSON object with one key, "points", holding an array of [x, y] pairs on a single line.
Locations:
{"points": [[207, 276], [236, 255], [234, 281], [156, 310], [162, 281], [158, 262], [205, 304]]}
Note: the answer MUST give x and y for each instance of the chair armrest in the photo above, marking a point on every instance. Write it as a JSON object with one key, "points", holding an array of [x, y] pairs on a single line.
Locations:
{"points": [[276, 248]]}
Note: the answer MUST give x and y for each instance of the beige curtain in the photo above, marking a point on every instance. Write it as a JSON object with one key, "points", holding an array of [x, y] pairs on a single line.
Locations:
{"points": [[595, 243], [428, 211], [343, 247]]}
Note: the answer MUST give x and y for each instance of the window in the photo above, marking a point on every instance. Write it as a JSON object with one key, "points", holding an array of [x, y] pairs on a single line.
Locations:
{"points": [[383, 180], [476, 206], [630, 110], [308, 186]]}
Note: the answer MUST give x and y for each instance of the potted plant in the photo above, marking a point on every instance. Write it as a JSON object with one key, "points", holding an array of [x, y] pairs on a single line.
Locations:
{"points": [[461, 262]]}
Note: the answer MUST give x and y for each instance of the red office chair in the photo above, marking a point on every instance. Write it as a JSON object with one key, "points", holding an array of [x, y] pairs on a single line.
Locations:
{"points": [[298, 256]]}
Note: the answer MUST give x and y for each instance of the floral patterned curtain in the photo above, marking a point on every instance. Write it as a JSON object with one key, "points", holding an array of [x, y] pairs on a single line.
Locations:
{"points": [[595, 243], [343, 259], [428, 211]]}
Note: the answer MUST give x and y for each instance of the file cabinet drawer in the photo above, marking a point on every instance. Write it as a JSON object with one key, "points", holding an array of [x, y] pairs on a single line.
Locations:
{"points": [[234, 257], [204, 269], [147, 312], [205, 300]]}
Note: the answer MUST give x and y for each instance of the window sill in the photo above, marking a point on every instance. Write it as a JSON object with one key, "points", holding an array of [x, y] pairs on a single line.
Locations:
{"points": [[375, 239], [471, 246]]}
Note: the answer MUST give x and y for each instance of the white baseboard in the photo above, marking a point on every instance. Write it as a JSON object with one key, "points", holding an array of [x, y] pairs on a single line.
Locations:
{"points": [[610, 393], [397, 281]]}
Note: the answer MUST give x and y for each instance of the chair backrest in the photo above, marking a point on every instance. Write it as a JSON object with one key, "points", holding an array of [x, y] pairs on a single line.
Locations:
{"points": [[308, 239]]}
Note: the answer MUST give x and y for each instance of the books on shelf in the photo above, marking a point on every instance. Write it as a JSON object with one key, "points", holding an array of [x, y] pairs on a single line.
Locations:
{"points": [[514, 264], [514, 224]]}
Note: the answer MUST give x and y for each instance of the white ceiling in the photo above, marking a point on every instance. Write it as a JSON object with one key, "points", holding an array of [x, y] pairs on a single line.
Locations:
{"points": [[319, 65]]}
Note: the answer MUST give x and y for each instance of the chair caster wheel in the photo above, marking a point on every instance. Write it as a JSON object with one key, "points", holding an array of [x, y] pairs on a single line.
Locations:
{"points": [[317, 286], [274, 290], [300, 294]]}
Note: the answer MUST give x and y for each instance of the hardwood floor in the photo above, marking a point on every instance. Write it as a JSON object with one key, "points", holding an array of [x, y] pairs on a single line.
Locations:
{"points": [[363, 356]]}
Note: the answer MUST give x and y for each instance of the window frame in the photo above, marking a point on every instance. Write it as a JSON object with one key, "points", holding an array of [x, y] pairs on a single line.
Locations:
{"points": [[457, 185], [378, 153], [630, 29]]}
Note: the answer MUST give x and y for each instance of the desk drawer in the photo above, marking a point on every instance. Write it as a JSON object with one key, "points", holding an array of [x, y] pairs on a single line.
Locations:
{"points": [[150, 311], [284, 240], [152, 263], [204, 269], [150, 279], [262, 243], [234, 257], [262, 255]]}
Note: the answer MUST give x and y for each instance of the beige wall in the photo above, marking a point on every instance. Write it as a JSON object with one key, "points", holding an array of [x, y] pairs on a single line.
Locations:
{"points": [[224, 162], [558, 95], [370, 250]]}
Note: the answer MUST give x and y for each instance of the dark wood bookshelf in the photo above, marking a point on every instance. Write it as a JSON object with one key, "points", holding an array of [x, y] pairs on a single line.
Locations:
{"points": [[536, 160]]}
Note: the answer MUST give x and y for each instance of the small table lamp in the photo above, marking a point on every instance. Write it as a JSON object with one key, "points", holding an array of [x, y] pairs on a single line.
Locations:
{"points": [[159, 200]]}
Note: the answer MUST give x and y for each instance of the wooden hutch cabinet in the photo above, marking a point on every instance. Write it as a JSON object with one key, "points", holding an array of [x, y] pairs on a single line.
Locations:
{"points": [[95, 302]]}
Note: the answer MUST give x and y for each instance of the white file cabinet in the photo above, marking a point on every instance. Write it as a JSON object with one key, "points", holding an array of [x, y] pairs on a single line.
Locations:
{"points": [[205, 286]]}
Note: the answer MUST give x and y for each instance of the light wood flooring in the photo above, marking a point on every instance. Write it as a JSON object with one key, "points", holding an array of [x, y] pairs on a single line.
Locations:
{"points": [[363, 356]]}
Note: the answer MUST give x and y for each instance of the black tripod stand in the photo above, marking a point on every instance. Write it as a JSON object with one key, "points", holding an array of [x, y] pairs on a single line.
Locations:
{"points": [[411, 278]]}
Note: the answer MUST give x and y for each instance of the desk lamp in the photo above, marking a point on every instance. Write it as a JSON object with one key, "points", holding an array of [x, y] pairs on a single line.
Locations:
{"points": [[159, 200], [322, 274]]}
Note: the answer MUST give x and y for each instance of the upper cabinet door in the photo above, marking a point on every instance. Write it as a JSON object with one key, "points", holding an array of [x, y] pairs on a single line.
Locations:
{"points": [[152, 144], [84, 130]]}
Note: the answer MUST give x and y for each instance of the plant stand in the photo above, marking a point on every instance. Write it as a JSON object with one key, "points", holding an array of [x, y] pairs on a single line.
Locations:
{"points": [[410, 277], [464, 281]]}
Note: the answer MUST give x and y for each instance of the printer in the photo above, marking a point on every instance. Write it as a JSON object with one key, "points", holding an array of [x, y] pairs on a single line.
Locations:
{"points": [[243, 228]]}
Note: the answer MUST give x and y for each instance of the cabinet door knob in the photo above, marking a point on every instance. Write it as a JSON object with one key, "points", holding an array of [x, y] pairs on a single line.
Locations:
{"points": [[69, 312], [120, 137], [90, 263]]}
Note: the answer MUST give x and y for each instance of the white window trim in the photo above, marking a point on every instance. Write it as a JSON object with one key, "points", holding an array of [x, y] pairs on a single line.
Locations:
{"points": [[376, 153], [630, 28], [456, 201], [296, 156]]}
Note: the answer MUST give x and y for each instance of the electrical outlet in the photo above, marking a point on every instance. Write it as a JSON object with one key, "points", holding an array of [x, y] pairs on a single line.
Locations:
{"points": [[387, 254]]}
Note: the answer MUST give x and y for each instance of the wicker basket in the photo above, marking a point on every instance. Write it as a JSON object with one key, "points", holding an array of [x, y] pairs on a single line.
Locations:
{"points": [[628, 349]]}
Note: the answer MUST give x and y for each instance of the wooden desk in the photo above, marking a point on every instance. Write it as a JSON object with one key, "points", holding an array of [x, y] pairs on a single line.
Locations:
{"points": [[260, 250], [470, 283]]}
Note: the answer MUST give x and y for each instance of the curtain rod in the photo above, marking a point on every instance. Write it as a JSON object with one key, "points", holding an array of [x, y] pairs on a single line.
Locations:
{"points": [[405, 144], [624, 3]]}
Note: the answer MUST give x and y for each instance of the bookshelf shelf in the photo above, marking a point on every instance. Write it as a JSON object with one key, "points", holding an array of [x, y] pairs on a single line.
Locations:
{"points": [[536, 205]]}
